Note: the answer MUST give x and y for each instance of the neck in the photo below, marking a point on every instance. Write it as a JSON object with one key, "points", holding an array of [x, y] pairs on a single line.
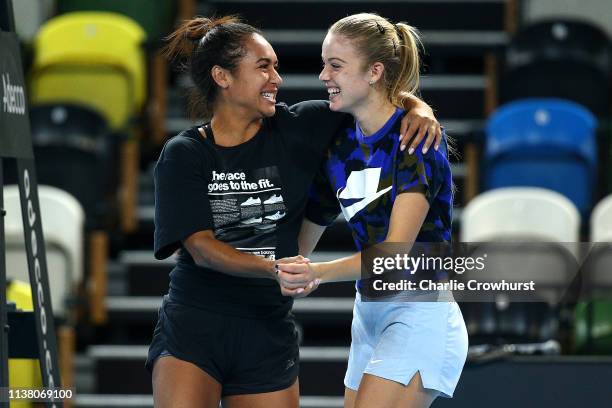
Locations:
{"points": [[374, 114], [232, 126]]}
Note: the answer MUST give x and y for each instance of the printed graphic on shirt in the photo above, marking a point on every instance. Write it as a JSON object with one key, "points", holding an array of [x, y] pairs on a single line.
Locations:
{"points": [[361, 185], [246, 206]]}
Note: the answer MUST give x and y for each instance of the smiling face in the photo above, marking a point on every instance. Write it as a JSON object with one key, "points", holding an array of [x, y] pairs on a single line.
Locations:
{"points": [[253, 85], [344, 74]]}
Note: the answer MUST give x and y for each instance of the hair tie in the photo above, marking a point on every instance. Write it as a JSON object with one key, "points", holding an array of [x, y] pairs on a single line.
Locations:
{"points": [[381, 29]]}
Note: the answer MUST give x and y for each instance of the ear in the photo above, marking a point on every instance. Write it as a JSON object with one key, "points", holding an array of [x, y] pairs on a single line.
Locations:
{"points": [[221, 76], [376, 72]]}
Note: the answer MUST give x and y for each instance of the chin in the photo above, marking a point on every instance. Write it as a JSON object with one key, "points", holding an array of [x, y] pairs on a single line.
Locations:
{"points": [[336, 107], [269, 112]]}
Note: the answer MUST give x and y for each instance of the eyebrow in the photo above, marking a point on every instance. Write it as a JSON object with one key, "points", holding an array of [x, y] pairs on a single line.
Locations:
{"points": [[334, 58], [264, 59]]}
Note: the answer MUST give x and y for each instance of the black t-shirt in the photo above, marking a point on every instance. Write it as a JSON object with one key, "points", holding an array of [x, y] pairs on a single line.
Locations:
{"points": [[252, 196]]}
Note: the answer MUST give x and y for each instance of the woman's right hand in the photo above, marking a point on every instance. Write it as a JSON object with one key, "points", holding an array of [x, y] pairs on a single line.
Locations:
{"points": [[297, 278]]}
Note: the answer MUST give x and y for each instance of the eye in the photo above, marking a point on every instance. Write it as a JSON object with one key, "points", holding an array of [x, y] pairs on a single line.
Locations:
{"points": [[335, 66]]}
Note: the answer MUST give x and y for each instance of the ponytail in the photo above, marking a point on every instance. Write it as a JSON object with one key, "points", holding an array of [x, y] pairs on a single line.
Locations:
{"points": [[408, 76]]}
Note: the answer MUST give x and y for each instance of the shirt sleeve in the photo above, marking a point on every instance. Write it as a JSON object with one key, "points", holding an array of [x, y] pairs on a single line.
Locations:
{"points": [[181, 201], [419, 172], [322, 207]]}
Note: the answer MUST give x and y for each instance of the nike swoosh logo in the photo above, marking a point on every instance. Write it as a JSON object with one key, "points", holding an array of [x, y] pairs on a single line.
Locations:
{"points": [[361, 184], [375, 361], [353, 209]]}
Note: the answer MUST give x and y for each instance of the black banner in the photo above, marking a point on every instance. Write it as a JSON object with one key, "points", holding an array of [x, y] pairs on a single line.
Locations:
{"points": [[15, 140]]}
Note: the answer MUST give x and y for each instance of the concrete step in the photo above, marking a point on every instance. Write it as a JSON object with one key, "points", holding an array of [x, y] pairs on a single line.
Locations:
{"points": [[144, 275], [146, 401]]}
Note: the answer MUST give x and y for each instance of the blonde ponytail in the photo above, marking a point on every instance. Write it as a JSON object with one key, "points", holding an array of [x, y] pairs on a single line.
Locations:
{"points": [[408, 76]]}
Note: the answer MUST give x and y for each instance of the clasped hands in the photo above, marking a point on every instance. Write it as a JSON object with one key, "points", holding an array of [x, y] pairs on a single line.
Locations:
{"points": [[296, 276]]}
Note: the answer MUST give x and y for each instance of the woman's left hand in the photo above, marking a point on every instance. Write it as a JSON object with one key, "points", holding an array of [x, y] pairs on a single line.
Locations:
{"points": [[418, 122], [297, 279]]}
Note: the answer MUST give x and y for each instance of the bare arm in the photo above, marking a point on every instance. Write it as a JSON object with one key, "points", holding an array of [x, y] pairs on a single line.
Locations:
{"points": [[407, 217], [309, 236], [209, 252]]}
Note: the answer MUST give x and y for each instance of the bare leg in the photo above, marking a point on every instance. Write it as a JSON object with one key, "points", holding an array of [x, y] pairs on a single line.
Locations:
{"points": [[287, 398], [349, 398], [180, 384], [378, 392]]}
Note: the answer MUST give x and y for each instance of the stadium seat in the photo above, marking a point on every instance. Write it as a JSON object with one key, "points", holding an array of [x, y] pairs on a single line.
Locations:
{"points": [[539, 228], [29, 16], [592, 331], [601, 221], [94, 59], [559, 59], [75, 152], [547, 143], [528, 212], [63, 220], [156, 21]]}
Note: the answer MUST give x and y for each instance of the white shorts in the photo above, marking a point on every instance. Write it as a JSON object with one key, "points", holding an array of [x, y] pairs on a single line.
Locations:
{"points": [[395, 340]]}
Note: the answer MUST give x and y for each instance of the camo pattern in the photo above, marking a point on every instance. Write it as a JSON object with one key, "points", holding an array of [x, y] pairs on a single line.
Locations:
{"points": [[399, 172]]}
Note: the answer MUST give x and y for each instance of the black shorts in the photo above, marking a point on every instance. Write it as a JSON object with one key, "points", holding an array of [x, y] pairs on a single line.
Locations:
{"points": [[246, 356]]}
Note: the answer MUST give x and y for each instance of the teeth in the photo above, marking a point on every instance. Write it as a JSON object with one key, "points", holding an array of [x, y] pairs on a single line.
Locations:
{"points": [[268, 95], [333, 91]]}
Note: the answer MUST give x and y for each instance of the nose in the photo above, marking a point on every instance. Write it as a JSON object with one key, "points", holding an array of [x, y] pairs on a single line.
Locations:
{"points": [[324, 76], [276, 78]]}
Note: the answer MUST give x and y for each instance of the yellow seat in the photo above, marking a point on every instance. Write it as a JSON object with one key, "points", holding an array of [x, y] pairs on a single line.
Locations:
{"points": [[91, 58], [23, 372]]}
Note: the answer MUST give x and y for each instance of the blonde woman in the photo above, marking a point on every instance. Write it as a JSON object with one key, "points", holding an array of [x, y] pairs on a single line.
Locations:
{"points": [[403, 354]]}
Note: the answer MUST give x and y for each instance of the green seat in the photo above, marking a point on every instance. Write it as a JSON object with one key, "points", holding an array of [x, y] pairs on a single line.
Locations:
{"points": [[157, 20], [593, 327]]}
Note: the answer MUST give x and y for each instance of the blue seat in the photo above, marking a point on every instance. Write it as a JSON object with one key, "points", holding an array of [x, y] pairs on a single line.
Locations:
{"points": [[547, 143]]}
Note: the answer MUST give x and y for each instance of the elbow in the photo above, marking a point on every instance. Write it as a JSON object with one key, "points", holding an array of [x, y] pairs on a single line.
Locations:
{"points": [[200, 258], [201, 251]]}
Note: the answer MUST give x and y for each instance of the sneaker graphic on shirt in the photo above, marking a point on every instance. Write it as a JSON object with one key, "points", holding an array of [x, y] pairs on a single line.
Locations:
{"points": [[254, 220], [251, 201], [274, 199], [276, 216]]}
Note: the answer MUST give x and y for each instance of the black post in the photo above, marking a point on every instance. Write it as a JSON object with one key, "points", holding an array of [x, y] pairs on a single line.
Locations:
{"points": [[3, 319]]}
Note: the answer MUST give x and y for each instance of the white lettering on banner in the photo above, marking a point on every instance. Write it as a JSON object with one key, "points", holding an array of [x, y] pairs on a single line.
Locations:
{"points": [[13, 97], [32, 218]]}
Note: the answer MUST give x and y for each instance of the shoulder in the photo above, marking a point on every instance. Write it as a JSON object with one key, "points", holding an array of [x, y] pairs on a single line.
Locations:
{"points": [[308, 107], [308, 110], [435, 160], [187, 144]]}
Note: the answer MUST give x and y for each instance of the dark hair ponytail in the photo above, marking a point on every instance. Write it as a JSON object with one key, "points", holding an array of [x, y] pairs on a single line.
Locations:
{"points": [[198, 45]]}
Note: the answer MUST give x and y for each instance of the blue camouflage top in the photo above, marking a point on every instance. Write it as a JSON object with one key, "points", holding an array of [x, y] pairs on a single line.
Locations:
{"points": [[363, 174]]}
